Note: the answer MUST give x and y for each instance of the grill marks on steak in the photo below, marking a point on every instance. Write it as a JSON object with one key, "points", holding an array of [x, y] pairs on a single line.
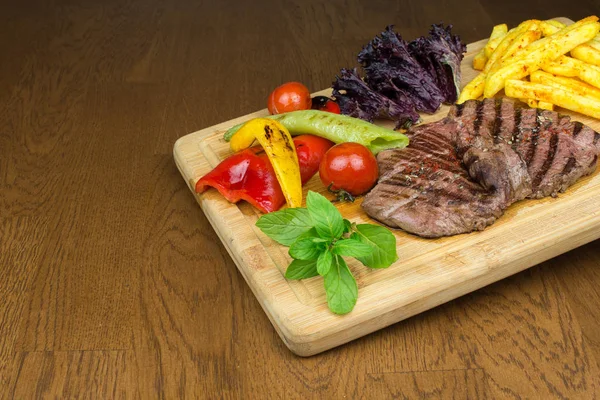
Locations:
{"points": [[460, 174], [557, 155], [549, 144], [488, 154], [425, 188]]}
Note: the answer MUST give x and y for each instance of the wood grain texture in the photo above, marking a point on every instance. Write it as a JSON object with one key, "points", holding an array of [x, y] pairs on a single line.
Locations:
{"points": [[113, 284]]}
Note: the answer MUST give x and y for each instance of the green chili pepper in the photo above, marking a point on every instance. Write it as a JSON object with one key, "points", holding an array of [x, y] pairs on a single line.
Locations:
{"points": [[337, 128]]}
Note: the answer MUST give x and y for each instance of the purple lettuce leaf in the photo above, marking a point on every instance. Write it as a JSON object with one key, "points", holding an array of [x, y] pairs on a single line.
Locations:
{"points": [[402, 78], [404, 86], [440, 54], [391, 69], [356, 99]]}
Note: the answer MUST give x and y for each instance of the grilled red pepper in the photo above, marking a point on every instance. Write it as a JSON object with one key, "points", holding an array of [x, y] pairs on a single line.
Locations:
{"points": [[248, 174]]}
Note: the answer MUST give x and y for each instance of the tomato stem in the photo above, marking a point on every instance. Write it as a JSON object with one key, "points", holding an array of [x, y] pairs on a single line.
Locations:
{"points": [[341, 194]]}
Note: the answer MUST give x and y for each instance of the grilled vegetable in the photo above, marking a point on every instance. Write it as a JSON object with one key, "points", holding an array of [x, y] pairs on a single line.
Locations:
{"points": [[337, 128], [278, 144], [248, 174]]}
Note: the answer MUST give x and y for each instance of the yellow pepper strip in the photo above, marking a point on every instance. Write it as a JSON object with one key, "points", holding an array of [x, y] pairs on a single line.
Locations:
{"points": [[277, 143]]}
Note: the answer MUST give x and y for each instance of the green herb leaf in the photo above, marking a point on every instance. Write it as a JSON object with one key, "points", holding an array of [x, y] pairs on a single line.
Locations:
{"points": [[286, 225], [309, 234], [382, 242], [306, 249], [352, 248], [324, 262], [347, 226], [317, 239], [301, 269], [326, 218], [340, 287]]}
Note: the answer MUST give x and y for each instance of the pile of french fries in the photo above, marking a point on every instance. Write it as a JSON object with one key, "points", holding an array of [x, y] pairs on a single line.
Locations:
{"points": [[543, 63]]}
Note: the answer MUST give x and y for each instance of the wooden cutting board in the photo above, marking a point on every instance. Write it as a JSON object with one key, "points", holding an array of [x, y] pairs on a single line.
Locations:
{"points": [[429, 272]]}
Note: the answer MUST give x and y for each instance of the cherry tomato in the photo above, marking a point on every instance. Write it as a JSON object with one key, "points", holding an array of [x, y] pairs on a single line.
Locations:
{"points": [[350, 167], [311, 150], [324, 103], [291, 96], [332, 107]]}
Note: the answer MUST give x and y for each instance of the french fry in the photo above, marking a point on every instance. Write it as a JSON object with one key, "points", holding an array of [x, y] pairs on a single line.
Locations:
{"points": [[563, 65], [552, 94], [590, 74], [556, 23], [564, 41], [474, 89], [479, 60], [491, 45], [507, 40], [551, 26], [591, 18], [545, 105], [595, 43], [572, 67], [533, 103], [519, 45], [527, 49], [586, 53], [498, 32], [548, 29], [575, 85], [539, 44], [540, 49]]}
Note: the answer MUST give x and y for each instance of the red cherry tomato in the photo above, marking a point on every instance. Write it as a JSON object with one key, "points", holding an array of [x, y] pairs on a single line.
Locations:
{"points": [[291, 96], [350, 167], [311, 150], [332, 107], [324, 103]]}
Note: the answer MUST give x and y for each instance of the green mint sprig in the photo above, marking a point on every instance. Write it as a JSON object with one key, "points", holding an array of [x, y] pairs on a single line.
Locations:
{"points": [[318, 239]]}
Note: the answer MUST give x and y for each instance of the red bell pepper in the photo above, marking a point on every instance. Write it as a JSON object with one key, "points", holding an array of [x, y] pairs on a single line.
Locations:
{"points": [[248, 174]]}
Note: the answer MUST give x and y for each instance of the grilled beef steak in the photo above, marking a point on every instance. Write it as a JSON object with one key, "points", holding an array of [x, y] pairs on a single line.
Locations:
{"points": [[556, 150], [425, 188], [459, 174]]}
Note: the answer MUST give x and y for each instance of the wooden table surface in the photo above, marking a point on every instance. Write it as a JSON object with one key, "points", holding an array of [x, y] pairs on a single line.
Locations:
{"points": [[114, 285]]}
